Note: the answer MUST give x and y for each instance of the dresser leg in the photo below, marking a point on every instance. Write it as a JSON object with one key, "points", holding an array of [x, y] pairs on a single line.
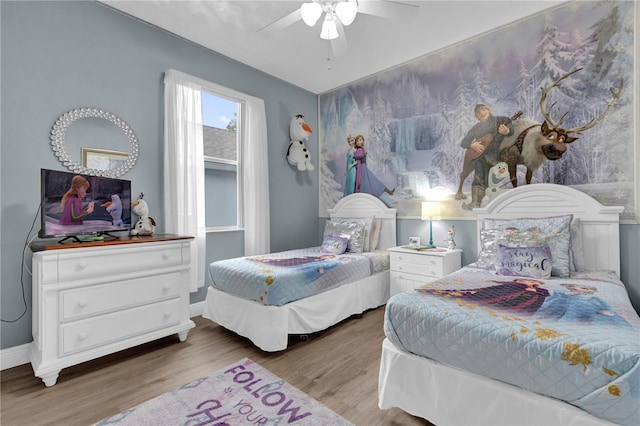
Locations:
{"points": [[183, 335], [51, 378]]}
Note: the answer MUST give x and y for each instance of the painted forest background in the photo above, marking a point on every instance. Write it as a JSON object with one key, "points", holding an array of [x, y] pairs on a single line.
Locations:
{"points": [[413, 117]]}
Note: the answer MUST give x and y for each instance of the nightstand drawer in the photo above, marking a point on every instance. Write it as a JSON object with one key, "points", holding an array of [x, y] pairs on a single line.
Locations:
{"points": [[413, 268], [417, 258], [405, 281]]}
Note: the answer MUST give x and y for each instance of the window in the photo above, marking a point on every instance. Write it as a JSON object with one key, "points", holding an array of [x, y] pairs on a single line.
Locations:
{"points": [[184, 166], [221, 156]]}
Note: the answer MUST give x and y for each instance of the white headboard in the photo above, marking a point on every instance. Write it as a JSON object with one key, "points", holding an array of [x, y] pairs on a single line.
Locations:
{"points": [[599, 223], [365, 205]]}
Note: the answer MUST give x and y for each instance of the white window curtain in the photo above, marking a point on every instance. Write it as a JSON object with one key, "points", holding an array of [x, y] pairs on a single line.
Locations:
{"points": [[255, 179], [184, 167]]}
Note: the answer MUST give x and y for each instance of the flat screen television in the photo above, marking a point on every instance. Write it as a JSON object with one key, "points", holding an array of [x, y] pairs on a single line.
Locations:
{"points": [[76, 205]]}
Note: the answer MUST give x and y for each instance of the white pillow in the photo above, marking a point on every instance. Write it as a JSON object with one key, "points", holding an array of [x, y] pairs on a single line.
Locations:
{"points": [[577, 250], [374, 239]]}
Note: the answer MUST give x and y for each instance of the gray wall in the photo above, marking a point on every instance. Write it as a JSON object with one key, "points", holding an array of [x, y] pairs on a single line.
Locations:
{"points": [[57, 56]]}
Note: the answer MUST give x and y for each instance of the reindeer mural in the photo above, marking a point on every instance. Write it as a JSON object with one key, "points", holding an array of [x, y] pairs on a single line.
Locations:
{"points": [[531, 143]]}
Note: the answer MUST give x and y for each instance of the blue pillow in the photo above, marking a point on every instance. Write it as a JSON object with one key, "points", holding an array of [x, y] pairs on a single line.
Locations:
{"points": [[534, 262], [334, 244]]}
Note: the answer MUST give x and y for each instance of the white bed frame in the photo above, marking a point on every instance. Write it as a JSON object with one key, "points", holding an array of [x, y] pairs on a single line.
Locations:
{"points": [[450, 396], [268, 327]]}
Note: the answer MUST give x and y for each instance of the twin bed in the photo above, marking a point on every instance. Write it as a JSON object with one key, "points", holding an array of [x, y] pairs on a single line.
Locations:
{"points": [[314, 308], [477, 347]]}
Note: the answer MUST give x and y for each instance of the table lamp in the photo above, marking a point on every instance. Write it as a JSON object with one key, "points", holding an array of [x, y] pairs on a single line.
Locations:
{"points": [[429, 210]]}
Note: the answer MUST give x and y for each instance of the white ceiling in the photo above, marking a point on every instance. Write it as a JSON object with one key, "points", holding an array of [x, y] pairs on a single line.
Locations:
{"points": [[298, 55]]}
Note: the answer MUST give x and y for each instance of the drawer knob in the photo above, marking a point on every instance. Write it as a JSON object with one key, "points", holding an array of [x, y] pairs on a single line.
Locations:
{"points": [[83, 303], [400, 257], [165, 256], [83, 336], [400, 267], [166, 288], [81, 265], [167, 315]]}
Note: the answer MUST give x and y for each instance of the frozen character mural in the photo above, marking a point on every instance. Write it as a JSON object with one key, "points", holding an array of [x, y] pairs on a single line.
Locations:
{"points": [[366, 181], [72, 211], [579, 304], [482, 144], [350, 173]]}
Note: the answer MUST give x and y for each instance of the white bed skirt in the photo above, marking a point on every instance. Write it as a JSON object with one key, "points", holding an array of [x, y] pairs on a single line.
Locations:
{"points": [[268, 327], [446, 395]]}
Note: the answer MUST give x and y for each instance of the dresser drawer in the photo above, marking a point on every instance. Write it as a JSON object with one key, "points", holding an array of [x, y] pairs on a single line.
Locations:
{"points": [[92, 332], [93, 300], [409, 281], [416, 258], [98, 264]]}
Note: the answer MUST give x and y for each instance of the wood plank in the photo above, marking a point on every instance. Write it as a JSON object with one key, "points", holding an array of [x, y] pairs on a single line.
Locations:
{"points": [[338, 367]]}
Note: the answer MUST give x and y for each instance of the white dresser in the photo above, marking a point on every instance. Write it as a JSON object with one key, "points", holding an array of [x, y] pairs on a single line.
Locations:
{"points": [[93, 299], [412, 268]]}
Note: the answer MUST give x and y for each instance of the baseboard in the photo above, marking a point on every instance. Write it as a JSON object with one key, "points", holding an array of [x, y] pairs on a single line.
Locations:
{"points": [[14, 356], [19, 355]]}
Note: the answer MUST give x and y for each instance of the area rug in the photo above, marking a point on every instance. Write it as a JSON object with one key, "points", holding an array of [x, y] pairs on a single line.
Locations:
{"points": [[243, 393]]}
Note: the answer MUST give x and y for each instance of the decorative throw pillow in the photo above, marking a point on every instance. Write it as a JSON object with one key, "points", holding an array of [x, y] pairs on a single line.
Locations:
{"points": [[374, 238], [491, 238], [367, 222], [558, 238], [532, 262], [577, 251], [353, 231], [334, 244]]}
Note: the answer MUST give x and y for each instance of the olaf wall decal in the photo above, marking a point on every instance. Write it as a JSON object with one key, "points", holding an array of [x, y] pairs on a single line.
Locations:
{"points": [[297, 154]]}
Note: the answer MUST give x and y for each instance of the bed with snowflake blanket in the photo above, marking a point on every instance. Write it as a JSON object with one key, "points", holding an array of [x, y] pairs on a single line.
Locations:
{"points": [[279, 278], [574, 339]]}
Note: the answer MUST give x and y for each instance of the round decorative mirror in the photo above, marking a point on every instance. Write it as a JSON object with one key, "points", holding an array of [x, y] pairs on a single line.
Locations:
{"points": [[59, 131]]}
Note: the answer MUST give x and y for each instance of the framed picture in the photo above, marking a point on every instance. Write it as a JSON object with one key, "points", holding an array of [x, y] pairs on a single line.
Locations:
{"points": [[103, 159], [414, 242]]}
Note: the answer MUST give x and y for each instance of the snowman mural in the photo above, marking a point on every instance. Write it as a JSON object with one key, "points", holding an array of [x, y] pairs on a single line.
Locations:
{"points": [[298, 155]]}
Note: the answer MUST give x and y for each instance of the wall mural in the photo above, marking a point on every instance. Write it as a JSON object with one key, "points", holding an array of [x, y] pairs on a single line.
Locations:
{"points": [[553, 92]]}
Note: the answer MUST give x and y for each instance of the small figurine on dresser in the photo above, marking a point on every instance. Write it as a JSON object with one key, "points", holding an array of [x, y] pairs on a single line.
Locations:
{"points": [[451, 233], [145, 224]]}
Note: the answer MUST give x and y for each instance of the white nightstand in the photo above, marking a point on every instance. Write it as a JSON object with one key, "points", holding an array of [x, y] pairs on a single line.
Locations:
{"points": [[412, 268]]}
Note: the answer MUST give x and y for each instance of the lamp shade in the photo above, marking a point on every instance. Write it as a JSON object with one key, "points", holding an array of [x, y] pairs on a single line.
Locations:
{"points": [[430, 209], [329, 29], [346, 11], [310, 13]]}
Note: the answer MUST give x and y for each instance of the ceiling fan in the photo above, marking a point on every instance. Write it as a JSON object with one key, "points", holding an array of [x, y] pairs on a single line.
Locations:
{"points": [[337, 15]]}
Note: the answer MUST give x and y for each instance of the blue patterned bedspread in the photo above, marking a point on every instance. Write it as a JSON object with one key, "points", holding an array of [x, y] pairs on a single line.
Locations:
{"points": [[279, 278], [574, 339]]}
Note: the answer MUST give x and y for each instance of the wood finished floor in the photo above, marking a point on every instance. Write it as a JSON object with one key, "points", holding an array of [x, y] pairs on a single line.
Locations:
{"points": [[338, 367]]}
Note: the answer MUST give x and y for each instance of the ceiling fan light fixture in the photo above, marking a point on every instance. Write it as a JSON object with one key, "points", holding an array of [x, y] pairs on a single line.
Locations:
{"points": [[346, 11], [310, 13], [329, 29]]}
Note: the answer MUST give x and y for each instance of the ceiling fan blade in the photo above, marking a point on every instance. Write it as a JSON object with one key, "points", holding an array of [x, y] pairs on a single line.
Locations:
{"points": [[339, 45], [281, 24], [388, 9]]}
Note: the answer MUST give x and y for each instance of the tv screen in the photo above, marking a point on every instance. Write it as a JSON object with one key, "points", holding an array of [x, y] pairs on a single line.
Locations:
{"points": [[74, 204]]}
